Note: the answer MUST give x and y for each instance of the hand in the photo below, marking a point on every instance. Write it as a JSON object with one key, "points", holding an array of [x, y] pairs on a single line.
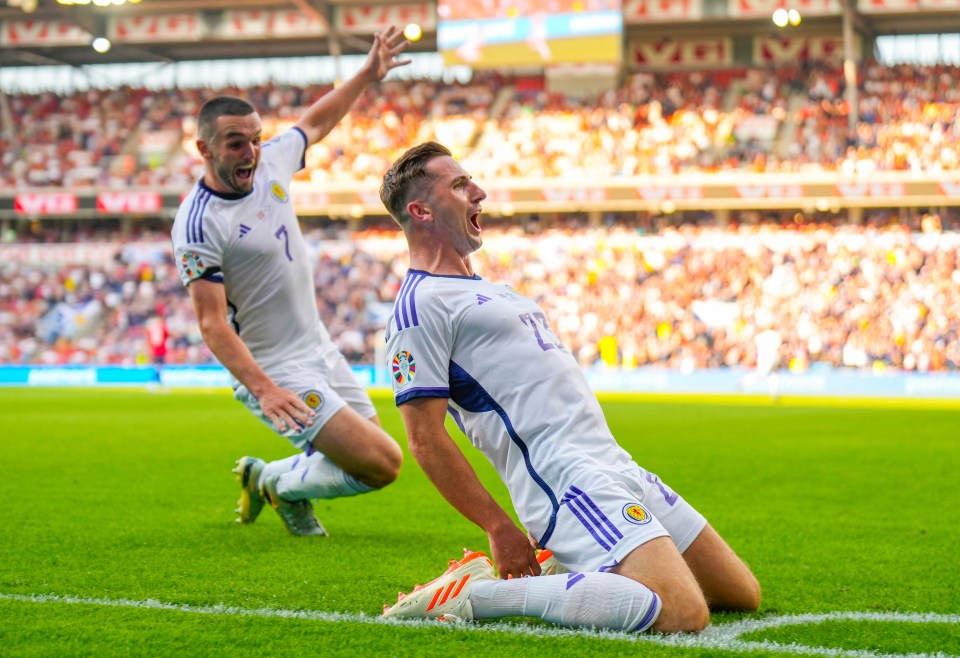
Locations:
{"points": [[386, 46], [285, 409], [533, 542], [512, 553]]}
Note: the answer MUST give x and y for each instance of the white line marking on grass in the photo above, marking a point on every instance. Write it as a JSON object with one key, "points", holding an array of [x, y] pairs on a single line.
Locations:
{"points": [[723, 637], [760, 400], [727, 636]]}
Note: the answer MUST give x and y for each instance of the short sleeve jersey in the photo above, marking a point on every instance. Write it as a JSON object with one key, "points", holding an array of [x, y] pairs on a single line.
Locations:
{"points": [[252, 244], [512, 388]]}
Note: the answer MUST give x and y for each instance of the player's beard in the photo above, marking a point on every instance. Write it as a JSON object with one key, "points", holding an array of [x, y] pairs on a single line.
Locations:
{"points": [[228, 177]]}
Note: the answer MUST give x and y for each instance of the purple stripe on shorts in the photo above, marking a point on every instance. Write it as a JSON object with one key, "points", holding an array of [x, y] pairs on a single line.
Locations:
{"points": [[587, 512], [603, 517], [588, 526]]}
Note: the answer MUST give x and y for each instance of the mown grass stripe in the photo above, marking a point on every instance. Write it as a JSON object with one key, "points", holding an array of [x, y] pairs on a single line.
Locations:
{"points": [[722, 637]]}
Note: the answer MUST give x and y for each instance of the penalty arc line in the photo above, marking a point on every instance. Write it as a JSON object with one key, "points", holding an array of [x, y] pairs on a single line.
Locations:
{"points": [[724, 636]]}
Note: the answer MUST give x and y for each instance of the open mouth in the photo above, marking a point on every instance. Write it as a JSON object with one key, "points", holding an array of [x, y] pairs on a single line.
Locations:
{"points": [[475, 220], [244, 173]]}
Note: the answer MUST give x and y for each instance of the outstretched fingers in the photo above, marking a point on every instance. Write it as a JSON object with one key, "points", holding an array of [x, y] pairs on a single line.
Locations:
{"points": [[388, 44]]}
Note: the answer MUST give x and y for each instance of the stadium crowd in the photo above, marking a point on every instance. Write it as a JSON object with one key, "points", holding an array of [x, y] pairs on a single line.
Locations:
{"points": [[878, 295], [786, 119]]}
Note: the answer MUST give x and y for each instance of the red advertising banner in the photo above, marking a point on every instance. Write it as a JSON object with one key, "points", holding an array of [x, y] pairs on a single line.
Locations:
{"points": [[730, 191], [670, 192], [904, 6], [153, 29], [883, 6], [794, 49], [369, 197], [765, 8], [668, 53], [292, 23], [367, 19], [312, 199], [129, 202], [253, 24], [573, 194], [647, 11], [859, 190], [775, 191], [950, 189], [42, 33], [500, 195], [45, 203]]}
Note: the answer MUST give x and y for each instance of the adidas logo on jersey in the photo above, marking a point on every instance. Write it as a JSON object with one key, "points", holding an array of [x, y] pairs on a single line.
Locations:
{"points": [[244, 229], [482, 299]]}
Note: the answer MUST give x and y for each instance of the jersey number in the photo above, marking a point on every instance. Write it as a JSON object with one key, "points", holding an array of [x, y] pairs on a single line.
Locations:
{"points": [[282, 232], [538, 322], [667, 494]]}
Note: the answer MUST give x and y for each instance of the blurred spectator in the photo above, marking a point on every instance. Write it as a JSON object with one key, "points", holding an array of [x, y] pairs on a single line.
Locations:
{"points": [[780, 120], [636, 292], [873, 296]]}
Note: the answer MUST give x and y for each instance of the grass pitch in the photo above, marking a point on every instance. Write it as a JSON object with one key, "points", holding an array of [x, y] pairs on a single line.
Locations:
{"points": [[118, 532]]}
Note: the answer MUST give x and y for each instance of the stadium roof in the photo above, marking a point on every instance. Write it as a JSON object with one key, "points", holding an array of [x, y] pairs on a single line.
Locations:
{"points": [[96, 21], [77, 24]]}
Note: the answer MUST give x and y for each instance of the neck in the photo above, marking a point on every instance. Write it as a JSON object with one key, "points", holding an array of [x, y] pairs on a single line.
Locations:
{"points": [[213, 183], [439, 261]]}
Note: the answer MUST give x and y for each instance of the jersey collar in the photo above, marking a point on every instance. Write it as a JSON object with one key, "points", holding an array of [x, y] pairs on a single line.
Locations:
{"points": [[474, 277], [223, 195]]}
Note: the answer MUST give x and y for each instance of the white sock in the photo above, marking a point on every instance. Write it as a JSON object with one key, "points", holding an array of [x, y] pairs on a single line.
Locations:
{"points": [[602, 600], [318, 478], [288, 464]]}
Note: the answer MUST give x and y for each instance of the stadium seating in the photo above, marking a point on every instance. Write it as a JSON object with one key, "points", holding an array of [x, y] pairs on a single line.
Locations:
{"points": [[873, 296], [781, 120], [636, 291]]}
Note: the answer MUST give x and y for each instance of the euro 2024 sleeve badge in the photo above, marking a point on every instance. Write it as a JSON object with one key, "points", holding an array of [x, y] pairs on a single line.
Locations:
{"points": [[192, 265], [404, 367]]}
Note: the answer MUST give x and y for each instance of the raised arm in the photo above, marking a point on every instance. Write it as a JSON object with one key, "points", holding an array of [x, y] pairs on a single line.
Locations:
{"points": [[281, 406], [321, 117], [451, 473]]}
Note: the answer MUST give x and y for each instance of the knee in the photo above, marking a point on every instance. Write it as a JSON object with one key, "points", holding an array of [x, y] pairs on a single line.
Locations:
{"points": [[384, 470], [682, 617], [750, 596], [697, 618], [742, 595]]}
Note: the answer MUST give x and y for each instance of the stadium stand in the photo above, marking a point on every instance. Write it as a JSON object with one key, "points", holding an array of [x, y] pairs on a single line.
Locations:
{"points": [[865, 287], [873, 296], [782, 120]]}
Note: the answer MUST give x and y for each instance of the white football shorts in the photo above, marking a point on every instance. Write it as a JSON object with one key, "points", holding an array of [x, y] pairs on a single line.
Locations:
{"points": [[607, 514], [325, 383]]}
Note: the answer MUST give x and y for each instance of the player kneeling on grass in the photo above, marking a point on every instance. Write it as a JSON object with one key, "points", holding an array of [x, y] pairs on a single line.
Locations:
{"points": [[638, 555]]}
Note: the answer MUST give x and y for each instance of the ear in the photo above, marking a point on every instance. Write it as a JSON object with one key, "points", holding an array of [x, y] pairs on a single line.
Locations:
{"points": [[419, 211], [204, 149]]}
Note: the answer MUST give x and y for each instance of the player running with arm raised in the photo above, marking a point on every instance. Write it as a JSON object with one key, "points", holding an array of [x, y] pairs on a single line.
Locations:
{"points": [[246, 265]]}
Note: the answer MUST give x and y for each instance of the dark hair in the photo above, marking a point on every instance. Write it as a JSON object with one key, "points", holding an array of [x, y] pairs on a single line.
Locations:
{"points": [[405, 174], [217, 107]]}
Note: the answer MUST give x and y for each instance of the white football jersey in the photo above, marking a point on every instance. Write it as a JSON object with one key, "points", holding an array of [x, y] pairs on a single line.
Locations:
{"points": [[514, 390], [252, 244]]}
